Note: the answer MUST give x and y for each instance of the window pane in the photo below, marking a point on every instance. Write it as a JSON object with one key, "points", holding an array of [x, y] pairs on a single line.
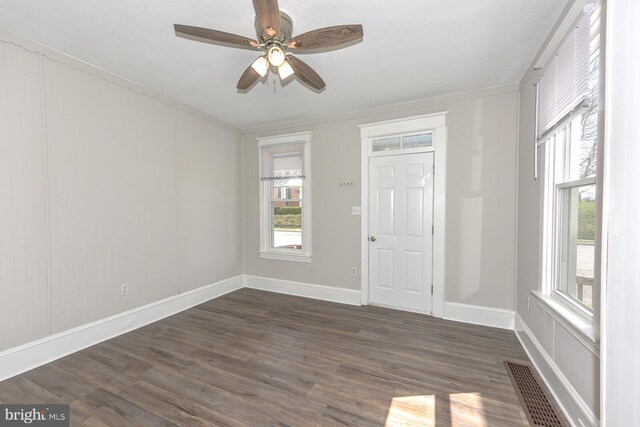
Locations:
{"points": [[589, 142], [287, 189], [417, 140], [386, 144], [589, 135], [282, 160], [577, 231], [561, 147], [287, 164], [286, 224], [581, 153]]}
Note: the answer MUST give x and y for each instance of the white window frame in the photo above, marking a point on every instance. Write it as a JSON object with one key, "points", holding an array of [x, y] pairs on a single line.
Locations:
{"points": [[286, 254], [551, 216]]}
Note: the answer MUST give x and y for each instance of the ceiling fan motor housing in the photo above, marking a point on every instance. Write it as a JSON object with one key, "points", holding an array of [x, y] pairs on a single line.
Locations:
{"points": [[286, 30]]}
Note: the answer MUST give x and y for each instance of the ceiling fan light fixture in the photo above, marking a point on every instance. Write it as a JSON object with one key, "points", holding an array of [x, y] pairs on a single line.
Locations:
{"points": [[276, 42], [276, 56], [285, 70], [261, 66]]}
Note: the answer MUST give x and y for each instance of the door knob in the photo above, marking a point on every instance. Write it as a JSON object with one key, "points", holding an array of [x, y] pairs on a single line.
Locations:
{"points": [[372, 238]]}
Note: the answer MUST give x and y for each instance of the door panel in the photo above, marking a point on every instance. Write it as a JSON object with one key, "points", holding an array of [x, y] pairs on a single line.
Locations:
{"points": [[401, 218], [415, 171], [414, 211], [385, 219], [414, 271], [385, 268]]}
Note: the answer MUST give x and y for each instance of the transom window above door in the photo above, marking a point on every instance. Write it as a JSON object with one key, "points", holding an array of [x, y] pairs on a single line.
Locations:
{"points": [[400, 144]]}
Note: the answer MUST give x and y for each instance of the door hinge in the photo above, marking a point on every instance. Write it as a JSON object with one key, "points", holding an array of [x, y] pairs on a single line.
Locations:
{"points": [[431, 289], [433, 229]]}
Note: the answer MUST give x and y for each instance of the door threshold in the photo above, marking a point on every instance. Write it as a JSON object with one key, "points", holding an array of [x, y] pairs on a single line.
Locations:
{"points": [[393, 307]]}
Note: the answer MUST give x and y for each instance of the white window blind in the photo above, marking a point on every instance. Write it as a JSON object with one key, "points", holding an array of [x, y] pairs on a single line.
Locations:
{"points": [[566, 79], [282, 161]]}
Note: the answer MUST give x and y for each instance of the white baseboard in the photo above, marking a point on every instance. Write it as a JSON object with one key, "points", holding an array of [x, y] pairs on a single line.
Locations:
{"points": [[479, 315], [325, 293], [574, 407], [36, 353]]}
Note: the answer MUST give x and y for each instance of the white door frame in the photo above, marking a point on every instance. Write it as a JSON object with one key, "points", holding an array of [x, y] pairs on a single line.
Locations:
{"points": [[430, 122]]}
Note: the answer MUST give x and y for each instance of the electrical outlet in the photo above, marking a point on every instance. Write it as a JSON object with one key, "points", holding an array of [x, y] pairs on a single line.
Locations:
{"points": [[356, 210], [124, 289], [354, 271]]}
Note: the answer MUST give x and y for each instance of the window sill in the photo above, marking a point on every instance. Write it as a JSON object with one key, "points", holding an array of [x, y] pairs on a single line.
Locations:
{"points": [[575, 324], [286, 256]]}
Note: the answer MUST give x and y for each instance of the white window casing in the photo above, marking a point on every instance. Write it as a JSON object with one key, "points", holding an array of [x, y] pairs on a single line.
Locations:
{"points": [[271, 151]]}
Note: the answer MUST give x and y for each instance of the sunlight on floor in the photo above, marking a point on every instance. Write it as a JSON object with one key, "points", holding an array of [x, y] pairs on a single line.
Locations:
{"points": [[456, 409], [412, 411], [467, 409]]}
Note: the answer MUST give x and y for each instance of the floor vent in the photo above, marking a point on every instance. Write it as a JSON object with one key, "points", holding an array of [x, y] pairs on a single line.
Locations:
{"points": [[537, 403]]}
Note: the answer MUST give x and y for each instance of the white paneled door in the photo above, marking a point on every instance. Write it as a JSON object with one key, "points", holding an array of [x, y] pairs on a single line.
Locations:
{"points": [[400, 231]]}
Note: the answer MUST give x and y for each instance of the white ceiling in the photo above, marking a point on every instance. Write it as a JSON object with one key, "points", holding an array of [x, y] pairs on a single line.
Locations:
{"points": [[412, 49]]}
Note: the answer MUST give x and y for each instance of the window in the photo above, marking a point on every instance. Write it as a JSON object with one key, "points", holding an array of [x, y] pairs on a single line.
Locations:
{"points": [[285, 208], [406, 143], [571, 198], [568, 120]]}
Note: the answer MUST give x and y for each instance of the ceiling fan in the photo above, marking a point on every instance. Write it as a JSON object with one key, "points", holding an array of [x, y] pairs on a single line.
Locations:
{"points": [[274, 29]]}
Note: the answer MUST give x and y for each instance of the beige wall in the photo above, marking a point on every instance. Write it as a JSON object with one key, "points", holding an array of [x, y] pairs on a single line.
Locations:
{"points": [[481, 196], [24, 308], [210, 202], [101, 185]]}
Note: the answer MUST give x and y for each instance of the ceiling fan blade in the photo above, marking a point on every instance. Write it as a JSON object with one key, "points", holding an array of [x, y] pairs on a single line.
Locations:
{"points": [[248, 78], [328, 38], [306, 73], [206, 35], [268, 14]]}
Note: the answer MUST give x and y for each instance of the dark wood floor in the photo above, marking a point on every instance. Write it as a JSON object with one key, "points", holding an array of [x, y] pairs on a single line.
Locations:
{"points": [[254, 358]]}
